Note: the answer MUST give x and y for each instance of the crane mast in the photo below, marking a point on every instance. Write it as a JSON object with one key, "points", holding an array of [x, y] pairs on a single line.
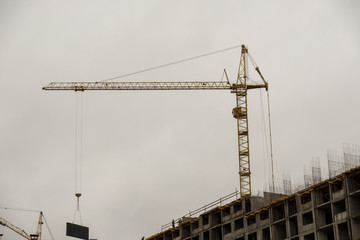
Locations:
{"points": [[240, 112], [39, 227]]}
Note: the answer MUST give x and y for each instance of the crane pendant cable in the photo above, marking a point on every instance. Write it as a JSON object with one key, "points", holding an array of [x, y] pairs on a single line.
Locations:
{"points": [[171, 63], [78, 152]]}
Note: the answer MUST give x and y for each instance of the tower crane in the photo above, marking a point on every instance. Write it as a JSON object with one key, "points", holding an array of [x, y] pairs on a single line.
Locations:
{"points": [[240, 112], [21, 232]]}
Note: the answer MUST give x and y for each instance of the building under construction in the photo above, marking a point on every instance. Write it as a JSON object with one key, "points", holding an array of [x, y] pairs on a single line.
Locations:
{"points": [[327, 210]]}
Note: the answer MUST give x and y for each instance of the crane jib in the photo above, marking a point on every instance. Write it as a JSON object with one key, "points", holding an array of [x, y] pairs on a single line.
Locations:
{"points": [[82, 86]]}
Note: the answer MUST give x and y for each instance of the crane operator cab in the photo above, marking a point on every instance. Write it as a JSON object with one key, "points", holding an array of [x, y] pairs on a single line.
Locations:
{"points": [[34, 237]]}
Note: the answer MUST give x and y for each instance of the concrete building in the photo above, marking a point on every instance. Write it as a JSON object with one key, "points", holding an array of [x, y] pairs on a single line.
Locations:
{"points": [[327, 210]]}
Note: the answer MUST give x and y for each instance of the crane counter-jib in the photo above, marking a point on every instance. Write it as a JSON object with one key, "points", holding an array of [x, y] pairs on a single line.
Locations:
{"points": [[82, 86]]}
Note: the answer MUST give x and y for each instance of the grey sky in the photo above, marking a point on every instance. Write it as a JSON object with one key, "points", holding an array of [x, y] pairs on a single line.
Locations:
{"points": [[149, 157]]}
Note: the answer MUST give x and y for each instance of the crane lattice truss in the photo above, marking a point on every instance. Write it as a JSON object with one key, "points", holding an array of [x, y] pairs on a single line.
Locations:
{"points": [[240, 112], [21, 232], [14, 228]]}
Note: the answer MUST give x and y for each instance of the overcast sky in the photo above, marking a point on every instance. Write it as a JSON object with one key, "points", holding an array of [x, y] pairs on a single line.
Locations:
{"points": [[150, 157]]}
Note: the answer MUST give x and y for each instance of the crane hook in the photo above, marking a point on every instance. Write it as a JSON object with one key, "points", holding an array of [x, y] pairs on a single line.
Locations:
{"points": [[77, 195]]}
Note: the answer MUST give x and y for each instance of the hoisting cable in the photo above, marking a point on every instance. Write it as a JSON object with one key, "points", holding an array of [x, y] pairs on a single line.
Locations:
{"points": [[271, 151], [172, 63], [268, 102], [265, 146], [78, 153]]}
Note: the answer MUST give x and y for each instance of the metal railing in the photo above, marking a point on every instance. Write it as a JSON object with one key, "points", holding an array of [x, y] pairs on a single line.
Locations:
{"points": [[195, 213]]}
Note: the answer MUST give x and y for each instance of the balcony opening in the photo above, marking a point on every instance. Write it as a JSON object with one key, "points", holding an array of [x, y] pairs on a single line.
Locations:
{"points": [[216, 232], [292, 206], [176, 233], [354, 182], [216, 218], [279, 230], [251, 220], [337, 186], [310, 236], [323, 195], [305, 198], [186, 230], [195, 225], [324, 215], [239, 223], [205, 219], [226, 211], [278, 212], [307, 218], [293, 226], [252, 236], [339, 207], [206, 235], [354, 202], [227, 228], [264, 215], [237, 206], [343, 231], [266, 234], [326, 233]]}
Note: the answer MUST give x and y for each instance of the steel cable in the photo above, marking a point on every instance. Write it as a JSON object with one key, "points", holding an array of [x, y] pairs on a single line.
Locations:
{"points": [[172, 63]]}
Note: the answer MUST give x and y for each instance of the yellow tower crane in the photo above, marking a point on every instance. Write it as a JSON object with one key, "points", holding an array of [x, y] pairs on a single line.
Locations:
{"points": [[21, 232], [240, 112]]}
